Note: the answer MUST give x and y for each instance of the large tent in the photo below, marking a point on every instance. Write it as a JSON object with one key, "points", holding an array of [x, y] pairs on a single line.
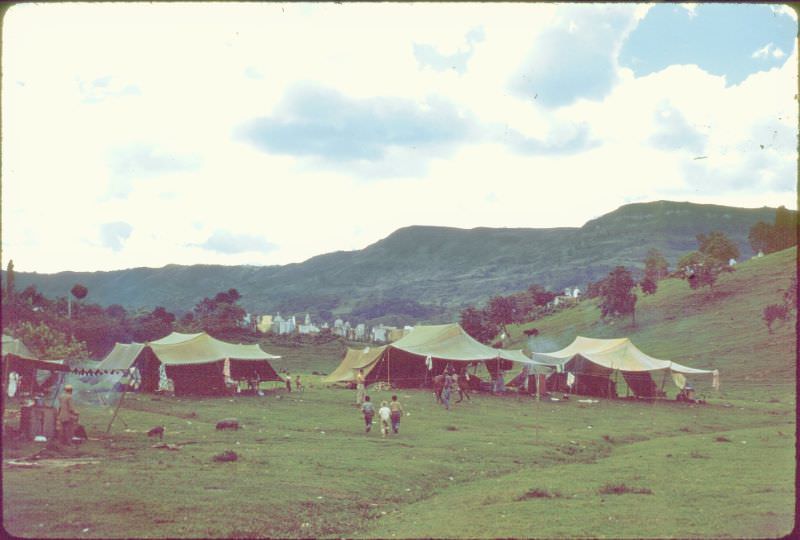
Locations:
{"points": [[425, 352], [591, 362], [355, 359], [196, 363]]}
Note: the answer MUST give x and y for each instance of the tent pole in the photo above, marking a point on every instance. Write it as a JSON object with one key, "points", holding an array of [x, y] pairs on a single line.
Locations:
{"points": [[389, 367]]}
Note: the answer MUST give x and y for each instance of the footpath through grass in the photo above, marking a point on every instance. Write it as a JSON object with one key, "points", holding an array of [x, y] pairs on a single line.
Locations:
{"points": [[307, 469]]}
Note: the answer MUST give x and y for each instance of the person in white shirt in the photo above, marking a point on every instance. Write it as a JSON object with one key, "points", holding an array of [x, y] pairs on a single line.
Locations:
{"points": [[386, 414]]}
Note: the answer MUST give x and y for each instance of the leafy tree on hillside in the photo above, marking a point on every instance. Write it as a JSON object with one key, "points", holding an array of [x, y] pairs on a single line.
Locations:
{"points": [[655, 265], [774, 312], [477, 324], [540, 295], [502, 311], [717, 246], [221, 314], [617, 296], [769, 238], [649, 285], [154, 325], [79, 291], [703, 267]]}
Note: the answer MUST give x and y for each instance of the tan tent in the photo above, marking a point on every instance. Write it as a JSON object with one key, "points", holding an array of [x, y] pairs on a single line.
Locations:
{"points": [[354, 360], [195, 362], [426, 351], [591, 361], [18, 358]]}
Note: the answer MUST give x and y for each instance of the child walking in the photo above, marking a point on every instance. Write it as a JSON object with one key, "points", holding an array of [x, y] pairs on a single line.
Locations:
{"points": [[397, 413], [369, 412], [385, 413]]}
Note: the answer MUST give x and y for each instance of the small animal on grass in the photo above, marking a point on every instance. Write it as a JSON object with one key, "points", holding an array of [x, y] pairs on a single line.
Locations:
{"points": [[157, 431], [228, 423]]}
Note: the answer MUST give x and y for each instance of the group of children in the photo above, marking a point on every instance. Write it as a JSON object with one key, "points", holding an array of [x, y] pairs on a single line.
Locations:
{"points": [[389, 413]]}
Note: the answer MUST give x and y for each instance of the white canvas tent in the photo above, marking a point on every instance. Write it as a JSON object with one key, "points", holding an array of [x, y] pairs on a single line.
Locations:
{"points": [[196, 363], [598, 358]]}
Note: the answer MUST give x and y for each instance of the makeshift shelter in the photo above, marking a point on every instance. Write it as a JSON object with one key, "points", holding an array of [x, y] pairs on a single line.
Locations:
{"points": [[17, 358], [586, 366], [354, 360], [424, 353], [196, 363]]}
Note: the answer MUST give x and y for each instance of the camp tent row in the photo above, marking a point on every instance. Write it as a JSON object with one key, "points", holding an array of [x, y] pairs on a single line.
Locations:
{"points": [[586, 366], [196, 363], [422, 354], [589, 363]]}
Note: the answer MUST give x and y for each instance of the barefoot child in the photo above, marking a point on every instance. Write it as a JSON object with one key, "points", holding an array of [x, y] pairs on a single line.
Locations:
{"points": [[385, 413]]}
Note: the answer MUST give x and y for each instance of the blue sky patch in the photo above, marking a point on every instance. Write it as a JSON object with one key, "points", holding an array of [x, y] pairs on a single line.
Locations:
{"points": [[734, 40]]}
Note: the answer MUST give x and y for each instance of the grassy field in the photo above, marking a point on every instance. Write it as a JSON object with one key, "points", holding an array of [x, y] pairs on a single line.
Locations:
{"points": [[491, 467]]}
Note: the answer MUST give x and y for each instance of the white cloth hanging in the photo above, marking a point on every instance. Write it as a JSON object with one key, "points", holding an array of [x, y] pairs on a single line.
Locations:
{"points": [[13, 381]]}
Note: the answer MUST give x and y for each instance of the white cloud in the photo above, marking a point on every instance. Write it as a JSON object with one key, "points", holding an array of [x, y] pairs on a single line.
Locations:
{"points": [[102, 111]]}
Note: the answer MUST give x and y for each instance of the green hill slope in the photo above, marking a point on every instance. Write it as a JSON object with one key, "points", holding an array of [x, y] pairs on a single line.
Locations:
{"points": [[425, 273], [716, 329]]}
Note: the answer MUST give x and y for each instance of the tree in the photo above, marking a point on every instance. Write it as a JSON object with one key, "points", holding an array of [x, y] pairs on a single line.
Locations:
{"points": [[717, 246], [220, 314], [10, 281], [153, 325], [655, 265], [477, 324], [50, 344], [617, 297], [649, 285], [761, 237], [540, 295], [502, 310], [79, 291], [703, 267]]}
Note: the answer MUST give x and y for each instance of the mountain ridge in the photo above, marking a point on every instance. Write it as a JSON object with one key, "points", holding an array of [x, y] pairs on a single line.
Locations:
{"points": [[444, 268]]}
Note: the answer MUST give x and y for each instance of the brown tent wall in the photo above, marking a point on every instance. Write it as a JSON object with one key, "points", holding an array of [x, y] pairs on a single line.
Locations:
{"points": [[404, 369], [245, 369], [198, 379], [641, 383]]}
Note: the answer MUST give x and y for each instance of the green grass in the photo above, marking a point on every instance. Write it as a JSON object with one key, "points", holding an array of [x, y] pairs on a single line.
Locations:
{"points": [[491, 467]]}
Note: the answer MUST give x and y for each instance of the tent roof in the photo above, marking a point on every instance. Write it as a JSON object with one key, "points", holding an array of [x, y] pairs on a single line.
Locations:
{"points": [[19, 352], [183, 349], [365, 359], [451, 342], [15, 346], [618, 353]]}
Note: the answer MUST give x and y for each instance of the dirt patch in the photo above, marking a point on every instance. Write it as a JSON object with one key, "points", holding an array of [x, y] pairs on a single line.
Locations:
{"points": [[539, 493], [621, 489]]}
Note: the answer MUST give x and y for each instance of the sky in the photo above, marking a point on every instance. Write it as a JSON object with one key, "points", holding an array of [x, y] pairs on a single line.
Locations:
{"points": [[147, 134]]}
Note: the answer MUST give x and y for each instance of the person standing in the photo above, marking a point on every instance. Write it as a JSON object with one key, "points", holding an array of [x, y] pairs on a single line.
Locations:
{"points": [[447, 389], [297, 384], [360, 392], [288, 382], [67, 415], [397, 412], [369, 411]]}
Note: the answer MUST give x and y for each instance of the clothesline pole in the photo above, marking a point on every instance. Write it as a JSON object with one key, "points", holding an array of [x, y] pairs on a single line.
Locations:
{"points": [[119, 403]]}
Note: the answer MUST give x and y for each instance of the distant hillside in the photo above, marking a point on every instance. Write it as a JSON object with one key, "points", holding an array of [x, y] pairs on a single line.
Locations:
{"points": [[427, 273], [715, 329]]}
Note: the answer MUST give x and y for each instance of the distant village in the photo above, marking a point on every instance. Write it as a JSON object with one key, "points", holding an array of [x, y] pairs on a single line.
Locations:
{"points": [[381, 333]]}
